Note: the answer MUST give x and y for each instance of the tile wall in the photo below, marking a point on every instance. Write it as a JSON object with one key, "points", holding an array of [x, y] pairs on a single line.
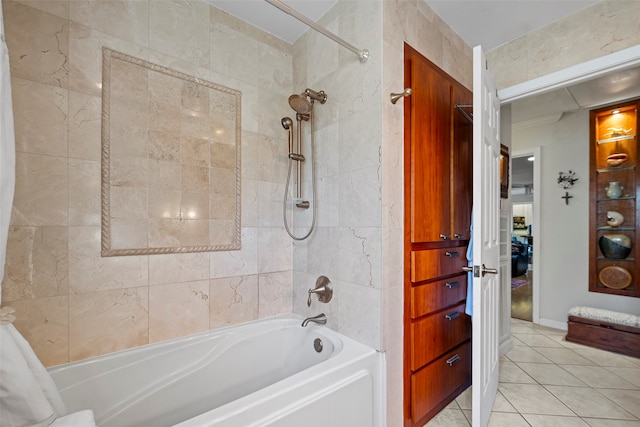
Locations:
{"points": [[71, 302]]}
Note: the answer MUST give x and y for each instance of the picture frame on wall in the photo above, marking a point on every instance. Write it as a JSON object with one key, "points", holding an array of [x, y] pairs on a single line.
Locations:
{"points": [[504, 172]]}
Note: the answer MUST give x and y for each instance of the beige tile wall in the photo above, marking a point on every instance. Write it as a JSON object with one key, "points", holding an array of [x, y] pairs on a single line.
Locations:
{"points": [[71, 302]]}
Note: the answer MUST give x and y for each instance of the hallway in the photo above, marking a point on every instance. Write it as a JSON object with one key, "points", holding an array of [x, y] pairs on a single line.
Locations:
{"points": [[548, 382]]}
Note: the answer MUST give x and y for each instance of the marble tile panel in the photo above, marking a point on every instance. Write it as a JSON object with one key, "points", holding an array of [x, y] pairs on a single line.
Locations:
{"points": [[164, 146], [196, 179], [359, 144], [37, 263], [359, 312], [40, 113], [85, 56], [222, 206], [194, 206], [533, 399], [275, 68], [270, 199], [164, 204], [195, 97], [233, 300], [274, 250], [103, 322], [85, 120], [180, 29], [222, 181], [128, 202], [360, 256], [128, 20], [179, 65], [44, 323], [223, 232], [165, 175], [59, 8], [90, 272], [588, 402], [164, 232], [249, 203], [195, 232], [42, 190], [175, 268], [269, 117], [237, 263], [129, 172], [178, 309], [195, 151], [550, 374], [272, 156], [222, 155], [127, 82], [357, 189], [38, 44], [129, 233], [164, 117], [327, 191], [628, 399], [274, 294], [319, 260]]}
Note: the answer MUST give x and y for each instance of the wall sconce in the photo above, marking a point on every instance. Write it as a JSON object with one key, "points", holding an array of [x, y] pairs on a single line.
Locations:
{"points": [[566, 181]]}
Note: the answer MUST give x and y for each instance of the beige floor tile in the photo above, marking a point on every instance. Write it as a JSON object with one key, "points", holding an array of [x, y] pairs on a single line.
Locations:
{"points": [[597, 376], [600, 422], [554, 421], [503, 419], [628, 399], [547, 330], [510, 372], [588, 402], [501, 404], [564, 356], [548, 374], [632, 375], [533, 399], [464, 399], [607, 358], [448, 418], [535, 340], [526, 354]]}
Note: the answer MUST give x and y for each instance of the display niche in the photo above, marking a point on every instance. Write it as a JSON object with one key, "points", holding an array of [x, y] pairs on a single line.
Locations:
{"points": [[614, 184]]}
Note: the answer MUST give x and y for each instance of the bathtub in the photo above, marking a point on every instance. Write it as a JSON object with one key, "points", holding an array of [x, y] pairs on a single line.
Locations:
{"points": [[263, 373]]}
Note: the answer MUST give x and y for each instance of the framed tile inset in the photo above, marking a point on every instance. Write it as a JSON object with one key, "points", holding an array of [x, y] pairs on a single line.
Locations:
{"points": [[170, 160]]}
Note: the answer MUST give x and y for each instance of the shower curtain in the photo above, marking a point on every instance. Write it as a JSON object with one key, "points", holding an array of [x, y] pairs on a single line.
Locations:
{"points": [[7, 149]]}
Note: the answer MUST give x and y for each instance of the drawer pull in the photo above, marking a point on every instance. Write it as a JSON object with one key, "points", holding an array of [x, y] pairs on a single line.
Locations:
{"points": [[452, 254], [452, 285], [458, 235], [453, 360], [444, 236], [452, 316]]}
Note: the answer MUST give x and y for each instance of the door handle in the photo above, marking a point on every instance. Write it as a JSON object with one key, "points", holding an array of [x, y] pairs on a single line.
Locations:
{"points": [[467, 269], [452, 316], [453, 360], [452, 254], [452, 285], [486, 270]]}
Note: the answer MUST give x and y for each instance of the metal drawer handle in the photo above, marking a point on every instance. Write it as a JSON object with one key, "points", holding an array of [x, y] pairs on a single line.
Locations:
{"points": [[452, 316], [453, 360], [458, 235], [452, 285], [452, 254], [444, 236]]}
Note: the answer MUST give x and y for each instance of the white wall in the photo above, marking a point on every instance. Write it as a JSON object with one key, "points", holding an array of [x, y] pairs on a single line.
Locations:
{"points": [[564, 229]]}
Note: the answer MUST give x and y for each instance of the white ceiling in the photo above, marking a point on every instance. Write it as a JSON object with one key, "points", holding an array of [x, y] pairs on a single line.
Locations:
{"points": [[486, 22]]}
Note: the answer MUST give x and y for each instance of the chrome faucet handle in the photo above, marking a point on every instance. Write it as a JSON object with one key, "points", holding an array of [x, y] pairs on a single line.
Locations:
{"points": [[323, 290]]}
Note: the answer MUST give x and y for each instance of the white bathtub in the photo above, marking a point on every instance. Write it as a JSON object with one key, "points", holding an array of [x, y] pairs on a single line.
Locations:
{"points": [[264, 373]]}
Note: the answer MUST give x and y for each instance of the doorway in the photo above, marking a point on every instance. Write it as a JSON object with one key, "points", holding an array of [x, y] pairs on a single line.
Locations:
{"points": [[522, 259]]}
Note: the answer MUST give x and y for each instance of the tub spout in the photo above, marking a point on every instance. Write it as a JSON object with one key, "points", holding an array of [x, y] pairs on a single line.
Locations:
{"points": [[320, 319]]}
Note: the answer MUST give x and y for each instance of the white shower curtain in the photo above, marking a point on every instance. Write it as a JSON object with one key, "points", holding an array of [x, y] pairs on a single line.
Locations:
{"points": [[7, 149]]}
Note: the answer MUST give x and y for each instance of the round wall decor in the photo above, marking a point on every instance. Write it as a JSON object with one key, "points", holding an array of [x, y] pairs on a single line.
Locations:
{"points": [[615, 277]]}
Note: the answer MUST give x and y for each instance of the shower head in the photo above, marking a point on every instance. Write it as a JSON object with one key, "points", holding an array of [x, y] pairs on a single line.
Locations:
{"points": [[286, 123], [300, 104]]}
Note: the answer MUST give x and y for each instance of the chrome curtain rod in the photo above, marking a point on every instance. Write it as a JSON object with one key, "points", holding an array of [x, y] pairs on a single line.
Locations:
{"points": [[362, 54]]}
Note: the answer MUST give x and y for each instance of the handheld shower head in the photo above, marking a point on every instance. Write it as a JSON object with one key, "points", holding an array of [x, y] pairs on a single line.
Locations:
{"points": [[286, 123]]}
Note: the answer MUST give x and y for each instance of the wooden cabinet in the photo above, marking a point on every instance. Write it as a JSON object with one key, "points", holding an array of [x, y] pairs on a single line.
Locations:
{"points": [[438, 198], [614, 190]]}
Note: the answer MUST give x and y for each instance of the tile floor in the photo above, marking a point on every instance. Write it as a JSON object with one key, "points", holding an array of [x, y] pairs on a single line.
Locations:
{"points": [[548, 382]]}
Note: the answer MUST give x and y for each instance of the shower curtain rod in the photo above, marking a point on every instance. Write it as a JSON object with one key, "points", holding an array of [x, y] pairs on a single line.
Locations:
{"points": [[362, 54]]}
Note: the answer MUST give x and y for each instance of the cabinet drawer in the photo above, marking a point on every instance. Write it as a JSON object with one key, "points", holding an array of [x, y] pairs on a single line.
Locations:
{"points": [[437, 295], [437, 333], [437, 381], [432, 263]]}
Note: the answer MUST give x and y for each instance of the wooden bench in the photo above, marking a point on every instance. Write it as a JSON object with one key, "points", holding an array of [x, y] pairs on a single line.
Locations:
{"points": [[605, 329]]}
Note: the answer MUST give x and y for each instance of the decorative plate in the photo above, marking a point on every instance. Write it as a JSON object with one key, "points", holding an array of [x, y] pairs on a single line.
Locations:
{"points": [[615, 277]]}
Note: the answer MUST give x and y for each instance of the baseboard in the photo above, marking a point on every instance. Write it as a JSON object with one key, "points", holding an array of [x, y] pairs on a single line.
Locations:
{"points": [[553, 324]]}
